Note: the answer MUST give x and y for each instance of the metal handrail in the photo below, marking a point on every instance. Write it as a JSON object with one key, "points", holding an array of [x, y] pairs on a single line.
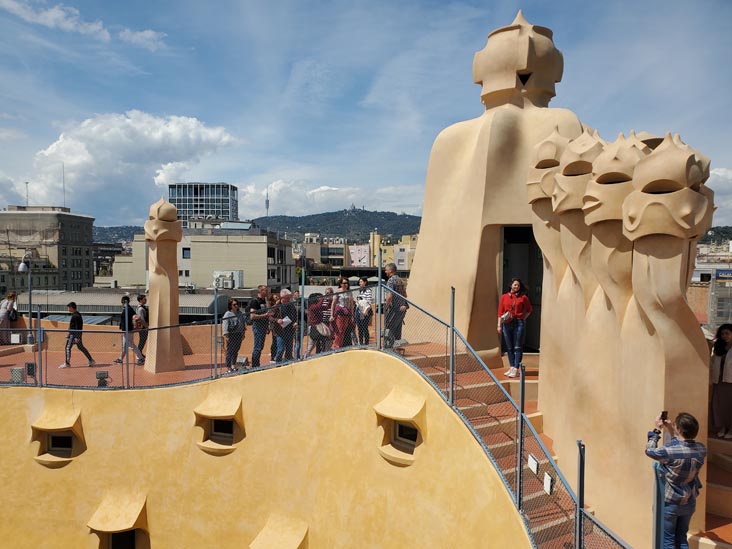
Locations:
{"points": [[605, 530]]}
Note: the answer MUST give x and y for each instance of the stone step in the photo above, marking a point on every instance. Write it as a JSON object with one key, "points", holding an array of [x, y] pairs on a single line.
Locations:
{"points": [[719, 491], [718, 534], [8, 350], [724, 461]]}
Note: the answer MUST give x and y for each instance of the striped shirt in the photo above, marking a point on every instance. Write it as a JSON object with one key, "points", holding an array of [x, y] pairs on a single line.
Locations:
{"points": [[680, 461], [366, 295]]}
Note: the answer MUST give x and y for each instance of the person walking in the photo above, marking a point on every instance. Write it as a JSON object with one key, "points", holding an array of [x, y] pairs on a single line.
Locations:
{"points": [[143, 313], [127, 325], [720, 374], [76, 327], [395, 306], [513, 310], [8, 312], [259, 314], [680, 462], [364, 310], [233, 328]]}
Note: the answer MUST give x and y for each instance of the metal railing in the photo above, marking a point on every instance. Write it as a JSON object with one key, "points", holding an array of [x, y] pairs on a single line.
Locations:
{"points": [[553, 514]]}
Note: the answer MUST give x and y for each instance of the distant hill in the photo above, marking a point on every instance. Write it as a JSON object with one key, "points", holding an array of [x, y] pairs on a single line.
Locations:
{"points": [[718, 234], [124, 233], [353, 224]]}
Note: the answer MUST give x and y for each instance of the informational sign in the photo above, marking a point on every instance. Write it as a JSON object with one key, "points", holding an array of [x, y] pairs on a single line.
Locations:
{"points": [[724, 275]]}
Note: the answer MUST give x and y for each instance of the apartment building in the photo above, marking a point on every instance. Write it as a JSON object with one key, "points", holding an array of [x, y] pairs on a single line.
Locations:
{"points": [[204, 201], [235, 257], [57, 243]]}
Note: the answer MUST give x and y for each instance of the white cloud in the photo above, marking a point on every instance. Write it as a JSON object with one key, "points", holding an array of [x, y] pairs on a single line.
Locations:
{"points": [[720, 181], [148, 39], [298, 197], [114, 161], [60, 17], [8, 192], [10, 134]]}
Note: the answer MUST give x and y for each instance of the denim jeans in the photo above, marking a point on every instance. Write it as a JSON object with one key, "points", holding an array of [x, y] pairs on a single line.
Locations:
{"points": [[284, 346], [675, 527], [260, 333], [513, 335]]}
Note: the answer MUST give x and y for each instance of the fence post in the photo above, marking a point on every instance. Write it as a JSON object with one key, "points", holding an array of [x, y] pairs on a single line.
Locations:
{"points": [[126, 346], [301, 334], [658, 505], [216, 330], [39, 349], [521, 425], [452, 345], [378, 305], [578, 516]]}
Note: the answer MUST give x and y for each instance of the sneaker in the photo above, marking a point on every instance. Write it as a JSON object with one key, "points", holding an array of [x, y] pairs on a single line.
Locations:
{"points": [[118, 361], [512, 372], [721, 433], [140, 361], [728, 436], [92, 364], [64, 365]]}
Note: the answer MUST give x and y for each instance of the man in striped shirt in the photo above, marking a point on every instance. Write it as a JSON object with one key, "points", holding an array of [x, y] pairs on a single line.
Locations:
{"points": [[680, 461]]}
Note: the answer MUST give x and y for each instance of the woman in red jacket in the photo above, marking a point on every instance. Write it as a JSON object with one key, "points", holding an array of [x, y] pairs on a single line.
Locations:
{"points": [[513, 310]]}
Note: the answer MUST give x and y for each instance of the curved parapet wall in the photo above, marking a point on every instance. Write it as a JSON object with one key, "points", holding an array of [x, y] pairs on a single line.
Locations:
{"points": [[303, 464]]}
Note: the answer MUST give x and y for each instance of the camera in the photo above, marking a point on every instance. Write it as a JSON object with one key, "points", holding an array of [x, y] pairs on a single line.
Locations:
{"points": [[664, 415]]}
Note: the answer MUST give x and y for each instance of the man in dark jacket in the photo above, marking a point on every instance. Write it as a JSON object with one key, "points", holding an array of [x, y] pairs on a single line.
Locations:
{"points": [[127, 325], [76, 325]]}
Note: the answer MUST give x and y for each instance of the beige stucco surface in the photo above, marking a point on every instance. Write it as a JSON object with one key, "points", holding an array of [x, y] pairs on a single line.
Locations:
{"points": [[616, 223], [310, 453], [476, 184]]}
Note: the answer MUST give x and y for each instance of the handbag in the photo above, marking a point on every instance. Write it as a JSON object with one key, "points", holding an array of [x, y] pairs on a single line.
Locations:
{"points": [[323, 330], [364, 307], [12, 315]]}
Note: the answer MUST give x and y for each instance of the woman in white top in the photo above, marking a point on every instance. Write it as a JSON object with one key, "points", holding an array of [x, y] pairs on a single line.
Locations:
{"points": [[7, 309], [364, 310], [720, 373]]}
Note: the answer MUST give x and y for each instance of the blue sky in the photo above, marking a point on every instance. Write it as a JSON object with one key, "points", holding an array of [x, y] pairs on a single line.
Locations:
{"points": [[324, 103]]}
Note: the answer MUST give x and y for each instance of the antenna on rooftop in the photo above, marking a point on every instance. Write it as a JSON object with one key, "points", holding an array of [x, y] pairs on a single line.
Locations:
{"points": [[26, 194], [266, 202], [63, 181]]}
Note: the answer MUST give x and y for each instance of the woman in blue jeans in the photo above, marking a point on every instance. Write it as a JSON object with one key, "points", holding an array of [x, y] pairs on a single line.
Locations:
{"points": [[514, 308]]}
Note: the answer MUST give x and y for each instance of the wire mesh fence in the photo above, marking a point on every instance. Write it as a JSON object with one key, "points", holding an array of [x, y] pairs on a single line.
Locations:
{"points": [[596, 535], [547, 501], [293, 329], [417, 336]]}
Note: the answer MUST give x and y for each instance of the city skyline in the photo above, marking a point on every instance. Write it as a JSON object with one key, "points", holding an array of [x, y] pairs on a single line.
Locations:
{"points": [[324, 104]]}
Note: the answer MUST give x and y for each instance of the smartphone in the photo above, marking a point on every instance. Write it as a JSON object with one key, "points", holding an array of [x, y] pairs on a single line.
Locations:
{"points": [[664, 415]]}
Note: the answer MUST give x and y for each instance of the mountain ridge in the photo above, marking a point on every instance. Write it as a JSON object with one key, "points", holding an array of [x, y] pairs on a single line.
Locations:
{"points": [[353, 224]]}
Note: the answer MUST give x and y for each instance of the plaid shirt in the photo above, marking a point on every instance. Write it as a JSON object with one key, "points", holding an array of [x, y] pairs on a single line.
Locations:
{"points": [[681, 461]]}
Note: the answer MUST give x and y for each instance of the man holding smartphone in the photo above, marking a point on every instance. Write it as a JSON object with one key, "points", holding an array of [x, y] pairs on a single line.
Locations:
{"points": [[680, 461]]}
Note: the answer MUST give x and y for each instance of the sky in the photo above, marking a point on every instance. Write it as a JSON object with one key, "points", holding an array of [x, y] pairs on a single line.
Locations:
{"points": [[323, 104]]}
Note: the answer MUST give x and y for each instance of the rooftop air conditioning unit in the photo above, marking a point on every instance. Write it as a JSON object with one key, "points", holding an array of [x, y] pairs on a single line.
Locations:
{"points": [[228, 284]]}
